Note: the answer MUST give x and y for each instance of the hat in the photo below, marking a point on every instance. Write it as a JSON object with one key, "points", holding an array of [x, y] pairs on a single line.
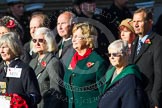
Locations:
{"points": [[34, 6], [127, 23], [148, 4], [12, 2], [78, 2]]}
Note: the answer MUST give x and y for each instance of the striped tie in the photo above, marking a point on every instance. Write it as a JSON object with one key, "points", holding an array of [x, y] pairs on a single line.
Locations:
{"points": [[139, 46]]}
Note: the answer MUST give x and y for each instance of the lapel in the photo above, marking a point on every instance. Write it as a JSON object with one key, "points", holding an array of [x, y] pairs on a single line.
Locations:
{"points": [[143, 49], [34, 63], [108, 77], [43, 64], [134, 48], [67, 45]]}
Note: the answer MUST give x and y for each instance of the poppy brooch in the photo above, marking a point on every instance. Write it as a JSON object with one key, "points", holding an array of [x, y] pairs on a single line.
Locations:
{"points": [[43, 63], [147, 41], [89, 64]]}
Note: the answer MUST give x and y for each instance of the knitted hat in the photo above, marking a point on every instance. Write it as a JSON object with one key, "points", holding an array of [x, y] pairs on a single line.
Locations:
{"points": [[127, 23]]}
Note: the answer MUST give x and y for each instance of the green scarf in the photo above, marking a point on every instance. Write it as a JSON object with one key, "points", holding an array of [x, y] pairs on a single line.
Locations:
{"points": [[129, 69]]}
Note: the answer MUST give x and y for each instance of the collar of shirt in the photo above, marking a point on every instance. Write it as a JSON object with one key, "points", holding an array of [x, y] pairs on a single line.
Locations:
{"points": [[66, 39], [145, 37]]}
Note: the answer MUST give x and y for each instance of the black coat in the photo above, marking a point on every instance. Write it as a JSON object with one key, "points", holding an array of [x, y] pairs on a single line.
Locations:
{"points": [[24, 86], [149, 61]]}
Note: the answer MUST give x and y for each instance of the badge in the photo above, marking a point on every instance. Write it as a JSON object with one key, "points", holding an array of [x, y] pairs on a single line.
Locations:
{"points": [[14, 72], [2, 87]]}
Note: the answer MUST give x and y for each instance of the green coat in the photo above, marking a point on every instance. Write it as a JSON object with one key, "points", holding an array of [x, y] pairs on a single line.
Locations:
{"points": [[81, 83]]}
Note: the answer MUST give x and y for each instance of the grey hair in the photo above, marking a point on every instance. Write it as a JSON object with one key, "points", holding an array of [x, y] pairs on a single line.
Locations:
{"points": [[11, 39], [120, 45], [49, 37]]}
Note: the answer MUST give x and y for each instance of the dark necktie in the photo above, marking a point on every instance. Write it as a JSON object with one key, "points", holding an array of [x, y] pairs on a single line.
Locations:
{"points": [[60, 49], [139, 46]]}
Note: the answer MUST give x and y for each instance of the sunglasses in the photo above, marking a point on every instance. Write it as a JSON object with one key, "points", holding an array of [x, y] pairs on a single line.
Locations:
{"points": [[113, 54], [38, 40]]}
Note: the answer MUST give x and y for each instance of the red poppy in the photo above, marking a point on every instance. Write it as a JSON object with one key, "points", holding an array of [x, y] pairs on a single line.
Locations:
{"points": [[10, 24], [43, 64], [89, 64], [147, 41], [17, 101]]}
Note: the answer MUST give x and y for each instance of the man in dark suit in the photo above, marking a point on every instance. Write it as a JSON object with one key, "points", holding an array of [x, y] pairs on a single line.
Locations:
{"points": [[64, 29], [147, 54]]}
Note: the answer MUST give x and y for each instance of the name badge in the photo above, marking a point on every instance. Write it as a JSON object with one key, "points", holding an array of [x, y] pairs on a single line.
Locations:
{"points": [[14, 72], [2, 87]]}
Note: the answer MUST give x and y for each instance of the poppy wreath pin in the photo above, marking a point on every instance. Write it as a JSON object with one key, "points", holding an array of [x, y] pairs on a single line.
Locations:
{"points": [[147, 41], [16, 101], [89, 64], [43, 63], [10, 24]]}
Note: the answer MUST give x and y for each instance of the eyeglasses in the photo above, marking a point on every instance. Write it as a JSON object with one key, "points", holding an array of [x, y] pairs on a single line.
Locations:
{"points": [[114, 54], [78, 37], [38, 40]]}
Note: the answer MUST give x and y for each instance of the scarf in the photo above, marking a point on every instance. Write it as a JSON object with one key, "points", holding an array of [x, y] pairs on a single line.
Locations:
{"points": [[78, 57]]}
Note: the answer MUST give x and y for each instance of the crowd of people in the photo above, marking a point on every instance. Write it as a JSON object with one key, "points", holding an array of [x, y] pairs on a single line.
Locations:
{"points": [[81, 57]]}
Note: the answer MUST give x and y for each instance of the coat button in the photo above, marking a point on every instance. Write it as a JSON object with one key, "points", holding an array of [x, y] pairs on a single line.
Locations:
{"points": [[73, 75]]}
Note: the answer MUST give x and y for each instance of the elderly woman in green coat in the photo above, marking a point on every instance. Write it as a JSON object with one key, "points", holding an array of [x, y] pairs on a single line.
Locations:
{"points": [[84, 75]]}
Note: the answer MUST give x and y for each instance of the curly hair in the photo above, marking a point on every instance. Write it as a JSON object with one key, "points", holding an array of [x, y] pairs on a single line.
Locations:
{"points": [[88, 31]]}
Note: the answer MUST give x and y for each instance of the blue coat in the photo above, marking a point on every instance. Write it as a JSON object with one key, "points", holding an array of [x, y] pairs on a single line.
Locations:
{"points": [[125, 91]]}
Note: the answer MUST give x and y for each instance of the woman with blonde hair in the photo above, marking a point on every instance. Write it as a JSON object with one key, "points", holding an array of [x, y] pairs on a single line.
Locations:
{"points": [[85, 70]]}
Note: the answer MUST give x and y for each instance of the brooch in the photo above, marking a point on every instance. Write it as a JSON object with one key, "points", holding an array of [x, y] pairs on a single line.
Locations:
{"points": [[147, 41], [89, 64]]}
